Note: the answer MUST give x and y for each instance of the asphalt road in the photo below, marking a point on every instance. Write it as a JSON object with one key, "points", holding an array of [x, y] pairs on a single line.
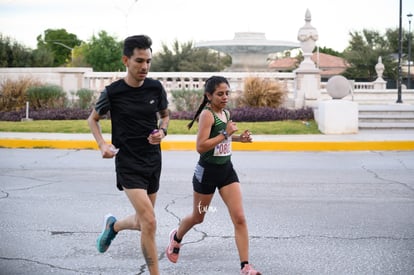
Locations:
{"points": [[308, 213]]}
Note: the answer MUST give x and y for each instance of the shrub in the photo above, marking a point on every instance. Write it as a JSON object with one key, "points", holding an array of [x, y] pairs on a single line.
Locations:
{"points": [[86, 98], [47, 114], [250, 114], [187, 100], [46, 97], [241, 114], [259, 92], [184, 115], [13, 93]]}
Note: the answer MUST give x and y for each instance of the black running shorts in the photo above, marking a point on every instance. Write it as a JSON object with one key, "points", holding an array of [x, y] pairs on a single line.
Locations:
{"points": [[207, 177], [151, 183], [140, 173]]}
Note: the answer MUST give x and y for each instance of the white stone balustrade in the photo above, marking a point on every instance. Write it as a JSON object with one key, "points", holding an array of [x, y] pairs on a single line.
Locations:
{"points": [[186, 80], [73, 79]]}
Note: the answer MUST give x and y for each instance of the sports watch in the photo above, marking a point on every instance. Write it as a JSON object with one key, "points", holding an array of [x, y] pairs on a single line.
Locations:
{"points": [[224, 133]]}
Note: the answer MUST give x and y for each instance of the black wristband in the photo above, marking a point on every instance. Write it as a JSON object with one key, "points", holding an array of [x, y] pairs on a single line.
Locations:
{"points": [[165, 131]]}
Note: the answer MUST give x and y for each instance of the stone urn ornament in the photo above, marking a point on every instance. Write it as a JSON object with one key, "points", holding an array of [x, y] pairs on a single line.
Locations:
{"points": [[379, 68], [307, 36]]}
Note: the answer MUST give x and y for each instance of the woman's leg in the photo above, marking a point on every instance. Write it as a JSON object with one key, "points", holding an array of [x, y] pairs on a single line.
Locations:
{"points": [[201, 203], [232, 197], [200, 207]]}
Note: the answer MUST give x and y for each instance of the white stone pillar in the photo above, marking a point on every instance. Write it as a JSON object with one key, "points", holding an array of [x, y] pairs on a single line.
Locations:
{"points": [[308, 77], [338, 116]]}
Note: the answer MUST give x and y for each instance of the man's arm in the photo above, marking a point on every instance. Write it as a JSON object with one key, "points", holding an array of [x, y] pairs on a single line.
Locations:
{"points": [[165, 119], [107, 150], [155, 138]]}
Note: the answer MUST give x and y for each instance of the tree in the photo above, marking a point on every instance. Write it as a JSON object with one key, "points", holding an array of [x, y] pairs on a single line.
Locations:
{"points": [[104, 53], [78, 56], [329, 51], [206, 60], [185, 57], [168, 60], [13, 54], [362, 54], [42, 57], [60, 43]]}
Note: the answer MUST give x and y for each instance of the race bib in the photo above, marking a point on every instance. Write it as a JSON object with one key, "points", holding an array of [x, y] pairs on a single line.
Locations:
{"points": [[223, 148]]}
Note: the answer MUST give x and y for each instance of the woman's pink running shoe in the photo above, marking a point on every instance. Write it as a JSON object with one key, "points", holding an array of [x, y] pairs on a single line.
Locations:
{"points": [[173, 248], [249, 270]]}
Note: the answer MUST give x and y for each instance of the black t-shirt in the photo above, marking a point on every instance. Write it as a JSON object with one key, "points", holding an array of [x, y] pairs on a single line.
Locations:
{"points": [[133, 117]]}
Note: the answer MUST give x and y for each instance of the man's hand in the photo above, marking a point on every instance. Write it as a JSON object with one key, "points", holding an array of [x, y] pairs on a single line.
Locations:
{"points": [[108, 150], [155, 137]]}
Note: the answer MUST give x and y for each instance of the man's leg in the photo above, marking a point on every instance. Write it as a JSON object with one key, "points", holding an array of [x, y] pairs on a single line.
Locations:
{"points": [[145, 215], [132, 222]]}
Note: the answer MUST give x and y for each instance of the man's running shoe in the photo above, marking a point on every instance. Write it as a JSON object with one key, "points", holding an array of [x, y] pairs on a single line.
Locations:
{"points": [[173, 248], [249, 270], [108, 234]]}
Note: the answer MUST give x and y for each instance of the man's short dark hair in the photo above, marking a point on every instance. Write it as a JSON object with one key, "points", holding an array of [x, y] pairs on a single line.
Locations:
{"points": [[142, 42]]}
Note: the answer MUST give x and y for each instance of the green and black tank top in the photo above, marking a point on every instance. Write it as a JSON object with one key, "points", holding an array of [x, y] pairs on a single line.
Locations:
{"points": [[222, 152]]}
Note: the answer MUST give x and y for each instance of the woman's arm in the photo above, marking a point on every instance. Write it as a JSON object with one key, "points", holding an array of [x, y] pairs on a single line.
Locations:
{"points": [[244, 137], [204, 143]]}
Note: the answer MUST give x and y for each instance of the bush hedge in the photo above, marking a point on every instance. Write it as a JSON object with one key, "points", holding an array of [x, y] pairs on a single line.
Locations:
{"points": [[47, 114], [240, 114]]}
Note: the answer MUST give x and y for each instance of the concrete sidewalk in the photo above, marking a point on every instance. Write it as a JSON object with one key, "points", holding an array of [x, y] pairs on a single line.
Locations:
{"points": [[363, 140]]}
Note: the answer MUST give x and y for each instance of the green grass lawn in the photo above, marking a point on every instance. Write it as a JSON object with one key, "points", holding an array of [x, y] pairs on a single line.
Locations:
{"points": [[291, 127]]}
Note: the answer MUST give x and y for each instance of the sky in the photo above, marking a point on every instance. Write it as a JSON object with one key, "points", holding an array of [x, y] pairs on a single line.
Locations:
{"points": [[197, 20]]}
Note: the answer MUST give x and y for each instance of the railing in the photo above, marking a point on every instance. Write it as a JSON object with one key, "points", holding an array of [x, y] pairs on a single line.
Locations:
{"points": [[187, 80], [73, 79], [357, 85]]}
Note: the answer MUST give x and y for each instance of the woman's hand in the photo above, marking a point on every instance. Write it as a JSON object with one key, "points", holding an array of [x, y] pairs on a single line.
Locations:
{"points": [[246, 136], [231, 127]]}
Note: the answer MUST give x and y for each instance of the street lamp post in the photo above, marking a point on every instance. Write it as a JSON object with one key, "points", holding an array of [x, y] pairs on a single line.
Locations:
{"points": [[399, 80], [126, 14], [409, 50], [67, 47]]}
